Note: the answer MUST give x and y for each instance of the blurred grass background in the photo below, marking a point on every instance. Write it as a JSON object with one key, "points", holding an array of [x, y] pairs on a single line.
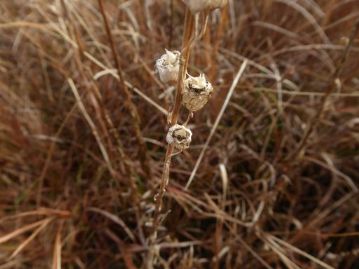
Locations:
{"points": [[278, 186]]}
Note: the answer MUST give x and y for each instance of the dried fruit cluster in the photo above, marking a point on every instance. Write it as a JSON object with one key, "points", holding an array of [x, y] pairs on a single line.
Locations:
{"points": [[197, 90], [192, 92]]}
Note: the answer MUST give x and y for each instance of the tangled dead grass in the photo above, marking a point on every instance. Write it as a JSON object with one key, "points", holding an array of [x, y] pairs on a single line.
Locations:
{"points": [[277, 185]]}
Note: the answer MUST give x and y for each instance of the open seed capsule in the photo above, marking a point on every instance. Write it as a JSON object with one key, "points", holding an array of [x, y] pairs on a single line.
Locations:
{"points": [[196, 93], [179, 136], [168, 65]]}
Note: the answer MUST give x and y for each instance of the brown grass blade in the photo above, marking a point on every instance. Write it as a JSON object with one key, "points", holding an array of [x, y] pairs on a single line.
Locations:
{"points": [[30, 238]]}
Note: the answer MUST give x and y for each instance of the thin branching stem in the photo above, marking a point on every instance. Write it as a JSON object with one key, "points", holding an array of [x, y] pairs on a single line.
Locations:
{"points": [[186, 47]]}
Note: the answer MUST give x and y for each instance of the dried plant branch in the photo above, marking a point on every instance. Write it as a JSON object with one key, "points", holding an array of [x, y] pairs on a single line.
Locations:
{"points": [[186, 50], [188, 26], [173, 118]]}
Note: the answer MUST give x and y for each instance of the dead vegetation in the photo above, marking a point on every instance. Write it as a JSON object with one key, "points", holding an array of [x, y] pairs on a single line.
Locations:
{"points": [[277, 185]]}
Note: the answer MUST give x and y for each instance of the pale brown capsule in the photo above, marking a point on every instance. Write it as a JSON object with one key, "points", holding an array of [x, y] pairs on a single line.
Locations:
{"points": [[202, 5], [179, 136], [196, 93], [168, 65], [214, 4]]}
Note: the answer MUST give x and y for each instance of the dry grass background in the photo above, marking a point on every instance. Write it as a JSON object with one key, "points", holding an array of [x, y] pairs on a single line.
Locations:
{"points": [[278, 185]]}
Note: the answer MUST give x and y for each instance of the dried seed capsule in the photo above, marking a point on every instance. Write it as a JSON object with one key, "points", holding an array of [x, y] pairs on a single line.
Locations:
{"points": [[213, 4], [168, 65], [180, 136], [202, 5], [196, 93]]}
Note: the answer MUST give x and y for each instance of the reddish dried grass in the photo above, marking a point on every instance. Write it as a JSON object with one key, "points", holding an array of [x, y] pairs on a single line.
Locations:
{"points": [[253, 202]]}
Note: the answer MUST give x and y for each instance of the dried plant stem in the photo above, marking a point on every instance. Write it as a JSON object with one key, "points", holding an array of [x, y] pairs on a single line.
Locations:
{"points": [[189, 23], [199, 35], [186, 47], [143, 155], [161, 193]]}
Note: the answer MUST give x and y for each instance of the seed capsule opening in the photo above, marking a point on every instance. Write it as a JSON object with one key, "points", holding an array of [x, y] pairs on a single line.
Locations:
{"points": [[197, 92], [179, 136]]}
